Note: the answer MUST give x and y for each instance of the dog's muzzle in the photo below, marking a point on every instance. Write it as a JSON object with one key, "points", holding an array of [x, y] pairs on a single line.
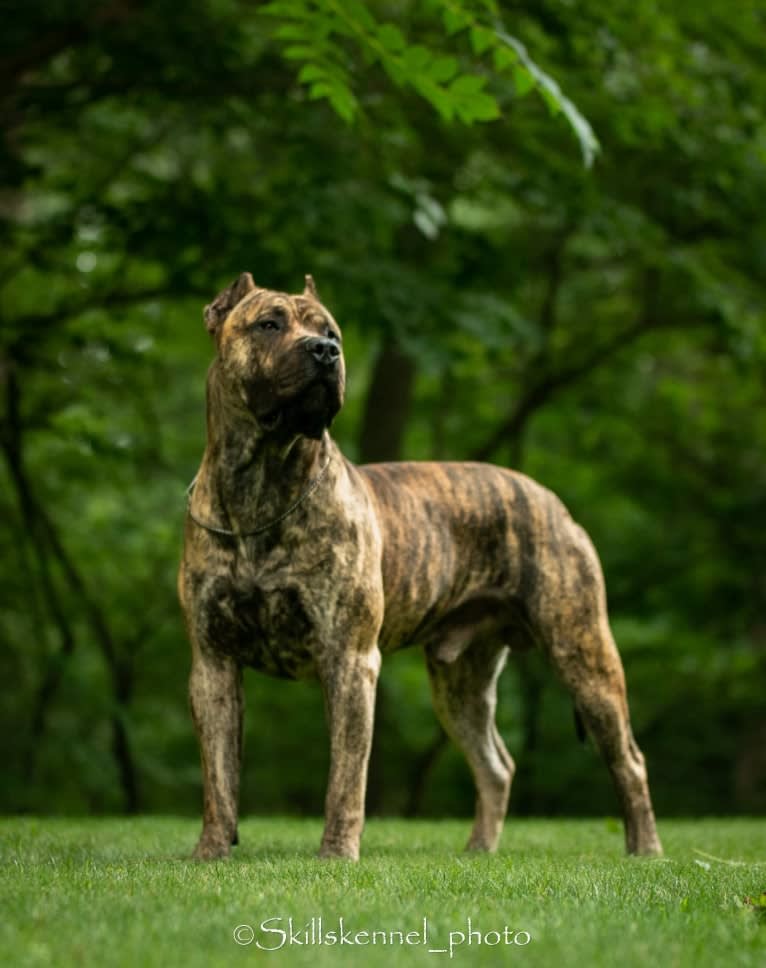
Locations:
{"points": [[311, 402]]}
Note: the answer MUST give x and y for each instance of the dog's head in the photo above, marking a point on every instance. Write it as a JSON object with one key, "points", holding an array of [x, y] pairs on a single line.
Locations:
{"points": [[280, 354]]}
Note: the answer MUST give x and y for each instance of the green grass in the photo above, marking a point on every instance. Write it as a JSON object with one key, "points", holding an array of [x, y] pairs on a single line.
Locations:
{"points": [[121, 892]]}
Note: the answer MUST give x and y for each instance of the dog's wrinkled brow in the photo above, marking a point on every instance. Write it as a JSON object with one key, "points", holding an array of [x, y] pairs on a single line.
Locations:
{"points": [[260, 308], [271, 309], [317, 319]]}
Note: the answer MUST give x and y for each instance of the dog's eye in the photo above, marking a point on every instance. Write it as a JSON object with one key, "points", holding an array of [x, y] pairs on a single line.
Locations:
{"points": [[331, 334], [268, 324]]}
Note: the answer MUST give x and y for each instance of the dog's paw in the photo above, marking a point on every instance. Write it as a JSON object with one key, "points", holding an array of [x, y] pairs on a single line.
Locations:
{"points": [[476, 846], [652, 848], [210, 848], [339, 851]]}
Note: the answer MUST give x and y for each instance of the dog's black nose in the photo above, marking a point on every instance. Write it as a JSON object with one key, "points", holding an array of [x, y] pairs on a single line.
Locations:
{"points": [[324, 351]]}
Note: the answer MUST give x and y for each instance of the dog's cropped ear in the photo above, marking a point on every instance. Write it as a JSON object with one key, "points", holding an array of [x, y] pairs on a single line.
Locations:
{"points": [[226, 300], [310, 288]]}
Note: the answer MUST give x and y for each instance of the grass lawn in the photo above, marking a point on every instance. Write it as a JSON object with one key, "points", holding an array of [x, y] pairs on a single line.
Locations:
{"points": [[121, 892]]}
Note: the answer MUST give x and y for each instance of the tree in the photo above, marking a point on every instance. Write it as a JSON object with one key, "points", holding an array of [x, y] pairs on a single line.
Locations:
{"points": [[601, 327]]}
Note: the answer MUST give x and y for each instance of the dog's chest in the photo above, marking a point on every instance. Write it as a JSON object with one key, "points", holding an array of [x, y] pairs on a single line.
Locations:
{"points": [[268, 622]]}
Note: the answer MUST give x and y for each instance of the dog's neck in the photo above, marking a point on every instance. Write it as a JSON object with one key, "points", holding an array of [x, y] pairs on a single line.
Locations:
{"points": [[248, 477]]}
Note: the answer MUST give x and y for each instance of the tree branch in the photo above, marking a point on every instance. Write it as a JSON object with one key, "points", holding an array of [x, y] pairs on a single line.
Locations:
{"points": [[553, 382]]}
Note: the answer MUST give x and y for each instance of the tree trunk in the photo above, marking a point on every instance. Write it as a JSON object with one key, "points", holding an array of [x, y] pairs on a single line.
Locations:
{"points": [[381, 438], [387, 407]]}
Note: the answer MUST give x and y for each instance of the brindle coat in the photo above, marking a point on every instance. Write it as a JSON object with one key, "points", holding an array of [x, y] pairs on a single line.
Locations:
{"points": [[465, 559]]}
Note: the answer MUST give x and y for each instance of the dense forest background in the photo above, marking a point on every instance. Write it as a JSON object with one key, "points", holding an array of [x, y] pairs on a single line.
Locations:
{"points": [[508, 290]]}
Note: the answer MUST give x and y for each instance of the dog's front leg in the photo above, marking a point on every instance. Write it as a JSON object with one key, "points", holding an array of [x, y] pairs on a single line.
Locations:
{"points": [[349, 689], [215, 692]]}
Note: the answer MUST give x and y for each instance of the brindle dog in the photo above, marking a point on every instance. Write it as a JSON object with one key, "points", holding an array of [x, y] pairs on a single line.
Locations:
{"points": [[298, 563]]}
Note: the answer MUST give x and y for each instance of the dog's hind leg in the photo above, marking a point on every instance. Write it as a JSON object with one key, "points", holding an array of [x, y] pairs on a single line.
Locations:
{"points": [[574, 632], [464, 693], [601, 700]]}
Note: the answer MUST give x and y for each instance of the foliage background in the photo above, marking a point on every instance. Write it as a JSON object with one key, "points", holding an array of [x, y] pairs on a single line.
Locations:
{"points": [[600, 326]]}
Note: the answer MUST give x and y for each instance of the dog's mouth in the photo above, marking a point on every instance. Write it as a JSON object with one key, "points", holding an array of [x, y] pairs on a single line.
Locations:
{"points": [[309, 412]]}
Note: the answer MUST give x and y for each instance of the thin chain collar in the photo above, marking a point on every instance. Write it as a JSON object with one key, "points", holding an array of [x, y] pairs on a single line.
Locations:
{"points": [[313, 485]]}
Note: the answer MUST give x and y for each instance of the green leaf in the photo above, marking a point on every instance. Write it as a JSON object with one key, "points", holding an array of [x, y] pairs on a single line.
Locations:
{"points": [[455, 20], [443, 69], [470, 102], [299, 52], [320, 89], [484, 107], [344, 103], [311, 72], [437, 97], [396, 70], [416, 58], [523, 81], [467, 85], [504, 57], [481, 39], [357, 9], [284, 8], [292, 31], [392, 38]]}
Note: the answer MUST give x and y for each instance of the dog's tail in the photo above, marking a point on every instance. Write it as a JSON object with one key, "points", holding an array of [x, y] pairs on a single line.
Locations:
{"points": [[579, 725]]}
